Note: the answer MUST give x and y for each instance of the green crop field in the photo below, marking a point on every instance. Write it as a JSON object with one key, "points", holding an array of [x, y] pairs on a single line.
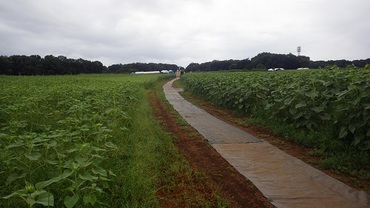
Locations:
{"points": [[79, 141], [326, 110], [91, 140]]}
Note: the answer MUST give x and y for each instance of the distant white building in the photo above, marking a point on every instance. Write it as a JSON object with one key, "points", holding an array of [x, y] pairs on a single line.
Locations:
{"points": [[147, 72], [276, 69]]}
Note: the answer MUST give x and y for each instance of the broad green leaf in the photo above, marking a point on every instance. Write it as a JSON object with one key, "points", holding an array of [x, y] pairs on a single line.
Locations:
{"points": [[43, 184], [269, 105], [97, 156], [111, 145], [317, 109], [72, 150], [99, 170], [356, 101], [38, 140], [69, 164], [312, 94], [17, 144], [307, 116], [33, 156], [367, 106], [343, 93], [97, 149], [352, 128], [123, 128], [365, 146], [103, 178], [357, 140], [293, 111], [87, 176], [90, 199], [51, 162], [325, 117], [111, 173], [73, 133], [52, 143], [288, 101], [82, 161], [14, 177], [55, 135], [45, 198], [2, 136], [30, 201], [16, 193], [70, 202], [343, 132], [301, 104]]}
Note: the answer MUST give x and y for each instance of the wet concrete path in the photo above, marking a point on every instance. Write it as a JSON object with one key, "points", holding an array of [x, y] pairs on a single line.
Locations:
{"points": [[286, 181]]}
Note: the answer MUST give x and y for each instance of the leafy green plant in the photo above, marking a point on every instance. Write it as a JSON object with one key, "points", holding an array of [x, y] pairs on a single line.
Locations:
{"points": [[331, 102], [59, 134]]}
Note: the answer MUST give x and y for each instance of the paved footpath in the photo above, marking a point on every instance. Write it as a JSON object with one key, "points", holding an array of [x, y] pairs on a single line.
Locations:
{"points": [[285, 180]]}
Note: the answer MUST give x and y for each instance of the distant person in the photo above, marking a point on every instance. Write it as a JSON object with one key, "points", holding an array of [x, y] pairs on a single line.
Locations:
{"points": [[178, 74]]}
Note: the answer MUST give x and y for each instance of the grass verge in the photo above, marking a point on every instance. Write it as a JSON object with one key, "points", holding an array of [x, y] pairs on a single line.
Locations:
{"points": [[181, 184]]}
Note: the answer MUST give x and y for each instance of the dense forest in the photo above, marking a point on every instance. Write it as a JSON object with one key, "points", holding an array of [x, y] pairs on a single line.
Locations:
{"points": [[265, 61], [49, 65], [60, 65]]}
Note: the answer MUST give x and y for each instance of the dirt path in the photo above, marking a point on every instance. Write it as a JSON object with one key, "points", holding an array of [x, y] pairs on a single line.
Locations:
{"points": [[283, 179], [218, 176]]}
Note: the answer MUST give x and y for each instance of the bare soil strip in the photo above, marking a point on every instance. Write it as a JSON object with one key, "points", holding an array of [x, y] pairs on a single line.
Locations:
{"points": [[220, 177]]}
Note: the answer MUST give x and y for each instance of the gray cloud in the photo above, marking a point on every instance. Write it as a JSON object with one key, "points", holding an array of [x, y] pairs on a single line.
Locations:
{"points": [[184, 31]]}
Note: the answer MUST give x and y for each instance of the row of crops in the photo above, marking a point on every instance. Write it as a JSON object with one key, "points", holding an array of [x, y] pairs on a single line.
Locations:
{"points": [[56, 137], [334, 104]]}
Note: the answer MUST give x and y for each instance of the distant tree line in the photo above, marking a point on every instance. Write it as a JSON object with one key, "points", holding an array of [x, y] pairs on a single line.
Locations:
{"points": [[134, 67], [270, 60], [340, 63], [60, 65], [49, 65]]}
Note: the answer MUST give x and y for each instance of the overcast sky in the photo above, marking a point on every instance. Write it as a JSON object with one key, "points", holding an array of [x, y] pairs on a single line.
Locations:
{"points": [[184, 31]]}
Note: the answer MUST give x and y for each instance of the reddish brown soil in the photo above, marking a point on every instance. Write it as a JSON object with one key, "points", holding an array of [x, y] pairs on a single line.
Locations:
{"points": [[218, 177]]}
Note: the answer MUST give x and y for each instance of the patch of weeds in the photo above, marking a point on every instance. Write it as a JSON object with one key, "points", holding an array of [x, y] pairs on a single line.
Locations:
{"points": [[220, 202], [178, 84], [192, 134], [317, 152], [348, 163], [245, 123], [277, 142], [181, 121]]}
